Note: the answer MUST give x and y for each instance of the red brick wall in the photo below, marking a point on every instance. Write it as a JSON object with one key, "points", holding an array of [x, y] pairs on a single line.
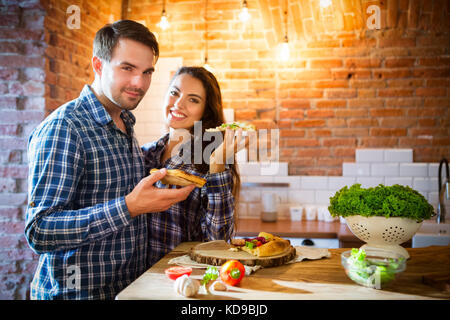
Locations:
{"points": [[42, 65], [69, 52], [345, 86], [22, 100]]}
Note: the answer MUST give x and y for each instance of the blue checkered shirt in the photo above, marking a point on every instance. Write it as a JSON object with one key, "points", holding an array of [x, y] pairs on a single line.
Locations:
{"points": [[81, 166], [207, 214]]}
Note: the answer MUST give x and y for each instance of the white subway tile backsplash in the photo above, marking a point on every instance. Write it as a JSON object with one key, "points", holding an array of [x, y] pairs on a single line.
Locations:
{"points": [[256, 179], [413, 169], [301, 196], [403, 181], [254, 209], [372, 167], [384, 169], [274, 168], [314, 182], [433, 197], [336, 183], [351, 169], [369, 182], [250, 195], [421, 184], [433, 169], [242, 209], [434, 184], [262, 168], [323, 196], [369, 155], [398, 155]]}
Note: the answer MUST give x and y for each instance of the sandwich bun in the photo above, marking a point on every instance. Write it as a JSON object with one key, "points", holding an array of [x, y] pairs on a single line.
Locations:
{"points": [[180, 178]]}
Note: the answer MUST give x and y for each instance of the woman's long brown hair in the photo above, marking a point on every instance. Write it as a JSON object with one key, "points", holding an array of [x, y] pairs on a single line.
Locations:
{"points": [[212, 117]]}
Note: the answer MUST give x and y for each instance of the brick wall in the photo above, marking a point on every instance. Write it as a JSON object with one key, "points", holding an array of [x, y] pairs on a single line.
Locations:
{"points": [[22, 91], [69, 52], [43, 64], [345, 86]]}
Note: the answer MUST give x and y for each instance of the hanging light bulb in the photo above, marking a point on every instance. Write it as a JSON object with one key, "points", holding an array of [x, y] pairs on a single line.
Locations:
{"points": [[325, 3], [207, 66], [164, 22], [285, 52], [244, 15]]}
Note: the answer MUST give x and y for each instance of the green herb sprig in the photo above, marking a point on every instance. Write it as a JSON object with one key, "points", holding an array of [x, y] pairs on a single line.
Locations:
{"points": [[211, 274]]}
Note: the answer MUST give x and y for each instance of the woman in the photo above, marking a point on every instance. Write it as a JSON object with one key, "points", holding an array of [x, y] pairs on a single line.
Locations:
{"points": [[209, 212]]}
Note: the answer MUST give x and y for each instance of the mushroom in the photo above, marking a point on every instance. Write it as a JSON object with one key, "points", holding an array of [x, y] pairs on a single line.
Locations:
{"points": [[186, 286]]}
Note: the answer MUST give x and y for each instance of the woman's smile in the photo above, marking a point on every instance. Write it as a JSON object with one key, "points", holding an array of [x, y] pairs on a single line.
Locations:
{"points": [[177, 115]]}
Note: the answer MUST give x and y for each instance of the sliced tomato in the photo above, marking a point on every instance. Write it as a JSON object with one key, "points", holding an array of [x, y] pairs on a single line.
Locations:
{"points": [[175, 272]]}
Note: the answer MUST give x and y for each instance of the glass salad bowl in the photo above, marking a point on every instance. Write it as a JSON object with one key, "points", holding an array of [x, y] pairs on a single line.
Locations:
{"points": [[372, 268]]}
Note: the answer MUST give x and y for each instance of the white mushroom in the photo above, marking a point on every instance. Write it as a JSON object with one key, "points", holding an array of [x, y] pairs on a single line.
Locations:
{"points": [[186, 286]]}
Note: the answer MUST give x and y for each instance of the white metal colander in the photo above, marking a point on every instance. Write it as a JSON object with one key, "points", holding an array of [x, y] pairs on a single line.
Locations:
{"points": [[383, 233]]}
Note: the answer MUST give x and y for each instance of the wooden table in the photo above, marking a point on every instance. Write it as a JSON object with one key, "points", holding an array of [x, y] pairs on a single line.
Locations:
{"points": [[315, 279]]}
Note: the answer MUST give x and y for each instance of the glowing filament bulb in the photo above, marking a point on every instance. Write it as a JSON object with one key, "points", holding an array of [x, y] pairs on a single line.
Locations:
{"points": [[284, 50], [325, 3], [244, 16], [164, 23]]}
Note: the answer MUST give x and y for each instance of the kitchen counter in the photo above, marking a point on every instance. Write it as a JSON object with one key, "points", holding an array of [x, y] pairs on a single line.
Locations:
{"points": [[293, 229], [303, 229], [314, 279]]}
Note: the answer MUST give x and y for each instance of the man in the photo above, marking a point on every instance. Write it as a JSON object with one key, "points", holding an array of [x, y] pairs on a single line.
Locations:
{"points": [[88, 192]]}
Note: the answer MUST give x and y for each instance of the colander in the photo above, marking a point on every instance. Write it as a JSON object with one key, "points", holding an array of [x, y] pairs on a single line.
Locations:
{"points": [[383, 233]]}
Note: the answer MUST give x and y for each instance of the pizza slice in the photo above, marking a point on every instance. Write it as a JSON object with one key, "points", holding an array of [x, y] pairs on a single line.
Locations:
{"points": [[264, 245], [233, 126]]}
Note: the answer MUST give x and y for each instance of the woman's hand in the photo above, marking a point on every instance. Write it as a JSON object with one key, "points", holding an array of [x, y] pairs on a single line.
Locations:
{"points": [[224, 154]]}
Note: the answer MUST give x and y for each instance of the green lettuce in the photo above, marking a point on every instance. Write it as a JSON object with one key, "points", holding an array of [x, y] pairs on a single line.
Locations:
{"points": [[387, 201], [368, 272]]}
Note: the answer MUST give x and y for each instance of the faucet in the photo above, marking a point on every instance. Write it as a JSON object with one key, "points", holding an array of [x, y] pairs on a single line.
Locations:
{"points": [[443, 187]]}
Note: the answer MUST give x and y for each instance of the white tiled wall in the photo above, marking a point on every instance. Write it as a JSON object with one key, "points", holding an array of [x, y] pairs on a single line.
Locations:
{"points": [[371, 168]]}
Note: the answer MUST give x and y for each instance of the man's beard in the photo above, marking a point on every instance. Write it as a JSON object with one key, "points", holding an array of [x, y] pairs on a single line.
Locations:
{"points": [[124, 103]]}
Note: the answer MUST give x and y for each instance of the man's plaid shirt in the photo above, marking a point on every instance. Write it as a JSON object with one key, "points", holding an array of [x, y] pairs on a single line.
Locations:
{"points": [[207, 214], [81, 166]]}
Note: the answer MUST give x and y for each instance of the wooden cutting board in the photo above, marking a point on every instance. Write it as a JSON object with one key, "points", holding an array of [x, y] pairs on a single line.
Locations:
{"points": [[217, 253]]}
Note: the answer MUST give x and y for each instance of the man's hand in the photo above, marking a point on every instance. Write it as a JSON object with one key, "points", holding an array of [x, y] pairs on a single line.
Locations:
{"points": [[147, 198]]}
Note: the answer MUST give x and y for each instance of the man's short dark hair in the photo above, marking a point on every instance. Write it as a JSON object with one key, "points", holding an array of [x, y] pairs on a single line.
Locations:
{"points": [[106, 38]]}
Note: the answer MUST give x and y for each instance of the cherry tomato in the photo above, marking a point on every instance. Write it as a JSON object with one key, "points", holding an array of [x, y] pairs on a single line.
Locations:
{"points": [[232, 272], [175, 272]]}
